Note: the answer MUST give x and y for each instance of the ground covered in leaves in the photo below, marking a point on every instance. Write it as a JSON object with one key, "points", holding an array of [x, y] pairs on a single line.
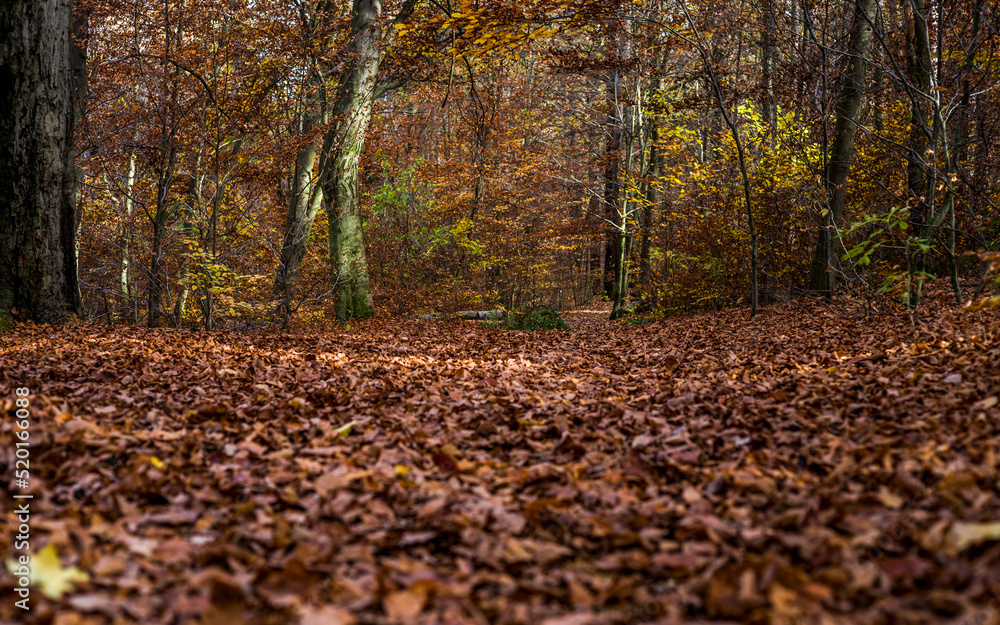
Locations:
{"points": [[807, 466]]}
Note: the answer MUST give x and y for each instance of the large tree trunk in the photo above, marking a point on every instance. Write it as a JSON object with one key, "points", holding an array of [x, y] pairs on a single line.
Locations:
{"points": [[842, 148], [339, 162], [38, 274]]}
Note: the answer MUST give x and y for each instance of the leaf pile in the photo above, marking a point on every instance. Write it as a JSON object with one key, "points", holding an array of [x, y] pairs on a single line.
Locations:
{"points": [[807, 466]]}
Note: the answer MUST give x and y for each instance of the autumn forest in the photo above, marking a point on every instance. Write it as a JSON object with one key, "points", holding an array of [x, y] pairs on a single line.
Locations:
{"points": [[671, 157], [560, 312]]}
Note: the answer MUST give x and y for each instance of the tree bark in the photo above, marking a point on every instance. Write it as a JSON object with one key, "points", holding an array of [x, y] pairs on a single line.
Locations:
{"points": [[304, 201], [918, 58], [38, 277], [612, 184], [822, 280], [342, 146], [649, 201]]}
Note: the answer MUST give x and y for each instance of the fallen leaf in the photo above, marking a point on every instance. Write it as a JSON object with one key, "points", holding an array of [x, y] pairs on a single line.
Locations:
{"points": [[48, 574], [403, 606], [965, 535]]}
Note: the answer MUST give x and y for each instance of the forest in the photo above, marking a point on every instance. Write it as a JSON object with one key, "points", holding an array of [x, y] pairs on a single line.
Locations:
{"points": [[547, 312], [242, 164]]}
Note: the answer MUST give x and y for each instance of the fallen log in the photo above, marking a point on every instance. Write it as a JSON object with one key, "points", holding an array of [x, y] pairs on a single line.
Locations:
{"points": [[485, 315], [488, 315]]}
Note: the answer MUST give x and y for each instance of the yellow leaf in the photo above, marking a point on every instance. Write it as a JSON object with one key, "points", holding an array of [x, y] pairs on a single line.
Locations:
{"points": [[48, 575], [345, 430], [964, 535], [156, 462]]}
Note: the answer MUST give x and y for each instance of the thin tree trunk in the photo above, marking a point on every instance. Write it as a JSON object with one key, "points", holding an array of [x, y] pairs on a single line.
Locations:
{"points": [[187, 232], [304, 201], [38, 275], [612, 184], [952, 147], [649, 200], [822, 279], [623, 240], [653, 171], [81, 33], [768, 65], [919, 73], [168, 145], [126, 236]]}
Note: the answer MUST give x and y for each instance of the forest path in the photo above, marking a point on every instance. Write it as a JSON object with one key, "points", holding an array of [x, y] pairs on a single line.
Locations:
{"points": [[593, 316]]}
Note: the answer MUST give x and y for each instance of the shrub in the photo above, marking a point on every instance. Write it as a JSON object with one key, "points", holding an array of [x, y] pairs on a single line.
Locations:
{"points": [[542, 318]]}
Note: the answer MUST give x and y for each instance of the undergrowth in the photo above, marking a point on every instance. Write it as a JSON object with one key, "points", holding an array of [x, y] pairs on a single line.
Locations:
{"points": [[542, 318]]}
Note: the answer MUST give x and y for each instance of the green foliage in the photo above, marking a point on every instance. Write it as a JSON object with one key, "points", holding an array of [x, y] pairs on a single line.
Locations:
{"points": [[641, 321], [891, 229], [542, 318], [878, 228]]}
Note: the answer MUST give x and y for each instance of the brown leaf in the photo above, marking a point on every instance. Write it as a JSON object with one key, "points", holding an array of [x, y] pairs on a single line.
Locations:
{"points": [[403, 606]]}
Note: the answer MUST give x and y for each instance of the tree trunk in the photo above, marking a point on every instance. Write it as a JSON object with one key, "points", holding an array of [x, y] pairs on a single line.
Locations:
{"points": [[81, 33], [842, 148], [768, 63], [649, 200], [157, 278], [187, 232], [342, 148], [612, 185], [918, 58], [165, 175], [38, 275], [651, 177], [623, 240], [951, 147], [126, 236], [304, 201]]}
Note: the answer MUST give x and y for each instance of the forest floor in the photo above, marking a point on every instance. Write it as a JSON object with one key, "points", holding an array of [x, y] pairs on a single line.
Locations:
{"points": [[810, 465]]}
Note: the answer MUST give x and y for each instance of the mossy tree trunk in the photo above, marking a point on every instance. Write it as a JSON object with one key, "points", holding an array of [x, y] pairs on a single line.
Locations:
{"points": [[342, 147], [38, 276]]}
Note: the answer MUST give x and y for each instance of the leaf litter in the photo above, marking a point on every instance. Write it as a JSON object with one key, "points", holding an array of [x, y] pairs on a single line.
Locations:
{"points": [[806, 466]]}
